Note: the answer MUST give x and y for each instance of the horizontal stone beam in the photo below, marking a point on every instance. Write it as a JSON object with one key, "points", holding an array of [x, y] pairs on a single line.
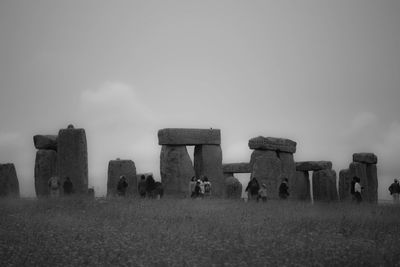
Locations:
{"points": [[369, 158], [273, 143], [242, 167], [313, 165], [181, 136], [45, 141]]}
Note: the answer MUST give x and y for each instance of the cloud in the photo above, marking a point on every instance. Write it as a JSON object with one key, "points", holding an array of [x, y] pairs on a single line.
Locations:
{"points": [[7, 138]]}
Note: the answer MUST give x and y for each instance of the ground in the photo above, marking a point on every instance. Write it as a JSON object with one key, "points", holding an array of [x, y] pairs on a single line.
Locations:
{"points": [[186, 232]]}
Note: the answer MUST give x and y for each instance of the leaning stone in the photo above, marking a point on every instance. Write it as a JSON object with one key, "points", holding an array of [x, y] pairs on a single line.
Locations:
{"points": [[267, 169], [176, 170], [324, 185], [299, 186], [208, 162], [9, 185], [45, 168], [272, 143], [45, 141], [119, 167], [178, 136], [345, 179], [368, 158], [72, 159], [233, 188], [243, 167], [313, 165]]}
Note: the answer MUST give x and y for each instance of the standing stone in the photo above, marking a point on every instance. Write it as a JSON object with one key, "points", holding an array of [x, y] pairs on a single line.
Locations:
{"points": [[45, 141], [45, 167], [9, 185], [267, 168], [118, 167], [345, 179], [176, 170], [233, 188], [372, 178], [208, 162], [289, 171], [299, 188], [360, 170], [72, 158], [324, 185]]}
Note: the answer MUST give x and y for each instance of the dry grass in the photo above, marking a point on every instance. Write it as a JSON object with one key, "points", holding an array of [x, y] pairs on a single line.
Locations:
{"points": [[172, 232]]}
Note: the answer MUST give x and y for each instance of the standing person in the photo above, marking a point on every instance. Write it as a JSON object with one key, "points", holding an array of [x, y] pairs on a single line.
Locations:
{"points": [[122, 185], [284, 189], [68, 187], [197, 189], [207, 187], [150, 186], [54, 186], [262, 193], [357, 190], [252, 189], [192, 185], [142, 186], [201, 184], [394, 190]]}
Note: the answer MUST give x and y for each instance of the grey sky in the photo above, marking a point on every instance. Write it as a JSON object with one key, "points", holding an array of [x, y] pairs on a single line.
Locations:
{"points": [[322, 73]]}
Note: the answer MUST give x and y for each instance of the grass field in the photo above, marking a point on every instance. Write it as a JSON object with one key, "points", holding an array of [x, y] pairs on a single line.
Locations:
{"points": [[173, 232]]}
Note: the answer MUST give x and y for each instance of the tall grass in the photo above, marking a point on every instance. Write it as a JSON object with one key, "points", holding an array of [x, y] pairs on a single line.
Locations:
{"points": [[185, 232]]}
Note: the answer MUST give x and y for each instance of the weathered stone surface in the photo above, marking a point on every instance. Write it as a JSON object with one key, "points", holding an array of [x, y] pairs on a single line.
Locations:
{"points": [[176, 170], [313, 165], [119, 167], [299, 186], [324, 185], [180, 136], [368, 158], [359, 170], [45, 167], [372, 178], [345, 179], [9, 185], [288, 171], [45, 141], [72, 158], [233, 188], [272, 143], [208, 162], [243, 167], [267, 168]]}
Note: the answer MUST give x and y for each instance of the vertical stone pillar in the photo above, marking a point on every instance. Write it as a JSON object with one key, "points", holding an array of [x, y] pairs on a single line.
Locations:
{"points": [[267, 168], [345, 179], [364, 167], [119, 167], [324, 185], [208, 162], [45, 167], [176, 169], [9, 185], [72, 158], [300, 186], [289, 171], [372, 178]]}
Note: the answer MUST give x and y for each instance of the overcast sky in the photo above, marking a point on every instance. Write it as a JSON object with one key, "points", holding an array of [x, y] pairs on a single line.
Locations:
{"points": [[325, 74]]}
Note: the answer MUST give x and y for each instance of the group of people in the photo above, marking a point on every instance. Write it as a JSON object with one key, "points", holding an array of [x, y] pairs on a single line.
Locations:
{"points": [[257, 192], [146, 187], [54, 184], [199, 188]]}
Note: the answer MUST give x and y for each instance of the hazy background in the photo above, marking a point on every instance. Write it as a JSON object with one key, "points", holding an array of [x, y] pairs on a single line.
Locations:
{"points": [[325, 74]]}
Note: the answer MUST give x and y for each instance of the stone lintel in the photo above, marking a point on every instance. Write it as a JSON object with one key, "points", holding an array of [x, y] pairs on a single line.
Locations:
{"points": [[273, 143], [368, 158], [242, 167], [313, 165], [183, 136]]}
